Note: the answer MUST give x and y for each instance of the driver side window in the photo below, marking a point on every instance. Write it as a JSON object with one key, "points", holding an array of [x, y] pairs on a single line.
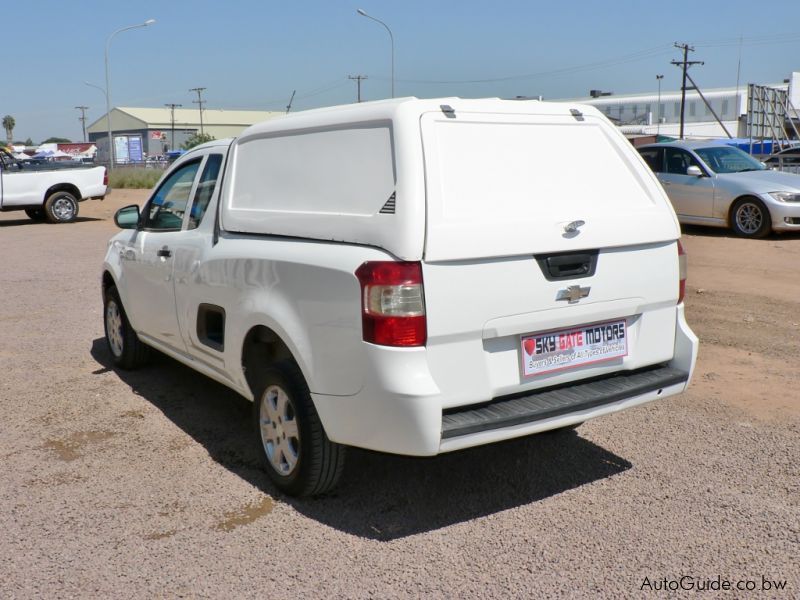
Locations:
{"points": [[166, 208], [678, 161]]}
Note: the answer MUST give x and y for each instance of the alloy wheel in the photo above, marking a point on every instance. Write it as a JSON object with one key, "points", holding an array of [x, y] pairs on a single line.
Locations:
{"points": [[279, 432]]}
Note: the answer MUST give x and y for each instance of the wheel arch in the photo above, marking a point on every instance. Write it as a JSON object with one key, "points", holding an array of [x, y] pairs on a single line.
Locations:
{"points": [[740, 197], [261, 347], [107, 282], [63, 187]]}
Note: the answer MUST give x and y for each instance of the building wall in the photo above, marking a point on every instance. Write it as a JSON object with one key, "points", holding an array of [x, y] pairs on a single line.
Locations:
{"points": [[155, 142], [646, 109]]}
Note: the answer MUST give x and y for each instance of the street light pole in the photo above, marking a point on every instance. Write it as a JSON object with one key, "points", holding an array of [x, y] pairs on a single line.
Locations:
{"points": [[363, 13], [108, 87], [658, 112]]}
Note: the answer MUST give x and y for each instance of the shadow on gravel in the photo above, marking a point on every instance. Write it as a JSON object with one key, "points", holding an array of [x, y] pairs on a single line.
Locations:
{"points": [[26, 221], [380, 496]]}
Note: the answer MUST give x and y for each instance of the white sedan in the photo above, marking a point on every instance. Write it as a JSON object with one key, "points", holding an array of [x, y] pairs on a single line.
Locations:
{"points": [[713, 184]]}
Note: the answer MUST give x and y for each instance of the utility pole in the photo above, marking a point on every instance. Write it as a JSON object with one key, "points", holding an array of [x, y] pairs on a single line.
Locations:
{"points": [[172, 108], [200, 102], [82, 119], [685, 63], [358, 79]]}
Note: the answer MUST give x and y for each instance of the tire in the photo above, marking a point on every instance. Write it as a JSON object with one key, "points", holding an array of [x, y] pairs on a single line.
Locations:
{"points": [[127, 351], [298, 456], [36, 214], [750, 218], [61, 207]]}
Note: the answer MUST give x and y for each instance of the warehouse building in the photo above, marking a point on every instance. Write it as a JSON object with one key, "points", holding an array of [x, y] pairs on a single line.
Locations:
{"points": [[742, 111], [142, 132]]}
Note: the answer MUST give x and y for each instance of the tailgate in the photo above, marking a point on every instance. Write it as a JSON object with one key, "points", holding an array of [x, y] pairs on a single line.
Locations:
{"points": [[516, 299]]}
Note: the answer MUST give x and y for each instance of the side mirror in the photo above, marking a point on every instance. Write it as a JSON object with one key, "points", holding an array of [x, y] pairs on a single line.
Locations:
{"points": [[694, 171], [127, 217]]}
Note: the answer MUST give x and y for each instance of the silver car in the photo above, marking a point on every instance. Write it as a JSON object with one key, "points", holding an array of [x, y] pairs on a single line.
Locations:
{"points": [[712, 184]]}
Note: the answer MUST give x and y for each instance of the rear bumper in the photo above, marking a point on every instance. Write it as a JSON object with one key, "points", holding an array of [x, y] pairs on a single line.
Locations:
{"points": [[401, 410], [559, 408], [541, 406]]}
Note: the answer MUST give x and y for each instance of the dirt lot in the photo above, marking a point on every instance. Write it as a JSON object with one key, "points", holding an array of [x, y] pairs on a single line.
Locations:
{"points": [[146, 484]]}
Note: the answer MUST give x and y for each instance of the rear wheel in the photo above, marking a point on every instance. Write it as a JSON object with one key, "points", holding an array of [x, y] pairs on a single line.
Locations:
{"points": [[37, 214], [127, 351], [61, 207], [299, 457], [750, 218]]}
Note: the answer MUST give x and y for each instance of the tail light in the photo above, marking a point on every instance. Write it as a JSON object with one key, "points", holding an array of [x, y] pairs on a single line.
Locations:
{"points": [[682, 272], [105, 176], [392, 303]]}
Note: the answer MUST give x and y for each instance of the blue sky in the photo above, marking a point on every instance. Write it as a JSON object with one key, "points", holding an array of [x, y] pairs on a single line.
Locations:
{"points": [[251, 55]]}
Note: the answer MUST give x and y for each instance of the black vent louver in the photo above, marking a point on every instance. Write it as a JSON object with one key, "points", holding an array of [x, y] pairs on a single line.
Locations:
{"points": [[388, 208]]}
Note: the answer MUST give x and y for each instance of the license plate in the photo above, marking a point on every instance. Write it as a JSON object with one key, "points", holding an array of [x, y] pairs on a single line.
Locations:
{"points": [[563, 349]]}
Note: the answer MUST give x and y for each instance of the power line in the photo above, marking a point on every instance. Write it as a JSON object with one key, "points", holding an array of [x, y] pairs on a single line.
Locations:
{"points": [[627, 58], [199, 102], [764, 40]]}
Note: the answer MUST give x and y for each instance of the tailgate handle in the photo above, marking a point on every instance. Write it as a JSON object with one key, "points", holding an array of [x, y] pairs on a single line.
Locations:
{"points": [[568, 265]]}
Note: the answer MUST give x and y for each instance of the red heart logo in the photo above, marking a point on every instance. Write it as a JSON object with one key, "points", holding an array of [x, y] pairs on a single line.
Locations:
{"points": [[530, 346]]}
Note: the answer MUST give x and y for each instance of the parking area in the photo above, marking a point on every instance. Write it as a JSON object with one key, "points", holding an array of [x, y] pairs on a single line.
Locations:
{"points": [[147, 483]]}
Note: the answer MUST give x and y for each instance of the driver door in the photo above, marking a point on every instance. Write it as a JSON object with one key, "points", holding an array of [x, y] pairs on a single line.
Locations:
{"points": [[690, 195], [149, 259]]}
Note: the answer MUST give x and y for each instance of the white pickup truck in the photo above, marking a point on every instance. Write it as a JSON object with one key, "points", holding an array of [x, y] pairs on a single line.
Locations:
{"points": [[48, 192], [408, 276]]}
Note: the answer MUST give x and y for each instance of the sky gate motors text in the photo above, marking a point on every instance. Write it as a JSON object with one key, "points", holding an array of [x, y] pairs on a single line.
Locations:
{"points": [[557, 342]]}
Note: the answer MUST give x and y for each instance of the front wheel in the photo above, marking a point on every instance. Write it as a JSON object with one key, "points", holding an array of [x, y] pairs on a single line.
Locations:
{"points": [[300, 459], [127, 351], [750, 218], [61, 207]]}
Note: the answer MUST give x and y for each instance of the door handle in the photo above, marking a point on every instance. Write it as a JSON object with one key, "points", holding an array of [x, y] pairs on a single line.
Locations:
{"points": [[665, 182], [164, 252]]}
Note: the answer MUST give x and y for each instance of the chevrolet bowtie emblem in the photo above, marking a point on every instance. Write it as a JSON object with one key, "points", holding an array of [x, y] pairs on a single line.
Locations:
{"points": [[573, 226], [573, 293]]}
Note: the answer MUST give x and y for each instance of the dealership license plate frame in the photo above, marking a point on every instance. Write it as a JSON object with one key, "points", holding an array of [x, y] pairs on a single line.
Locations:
{"points": [[602, 351]]}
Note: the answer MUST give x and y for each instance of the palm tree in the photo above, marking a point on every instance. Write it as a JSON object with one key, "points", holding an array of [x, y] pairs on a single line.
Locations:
{"points": [[8, 124]]}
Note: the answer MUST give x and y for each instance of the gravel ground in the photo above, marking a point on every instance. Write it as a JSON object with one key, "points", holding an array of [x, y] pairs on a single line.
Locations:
{"points": [[147, 484]]}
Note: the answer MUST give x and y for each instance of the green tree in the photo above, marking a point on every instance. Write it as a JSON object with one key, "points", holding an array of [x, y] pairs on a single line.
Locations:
{"points": [[28, 142], [196, 140], [57, 140], [8, 124]]}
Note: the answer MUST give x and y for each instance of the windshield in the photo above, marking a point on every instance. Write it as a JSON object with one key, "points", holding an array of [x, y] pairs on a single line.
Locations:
{"points": [[727, 159]]}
